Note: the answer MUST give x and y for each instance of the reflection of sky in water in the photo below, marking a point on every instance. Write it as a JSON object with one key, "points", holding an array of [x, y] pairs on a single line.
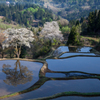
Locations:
{"points": [[77, 98], [3, 91], [64, 48], [79, 49], [50, 88], [32, 66], [84, 64], [85, 49], [67, 75], [73, 54]]}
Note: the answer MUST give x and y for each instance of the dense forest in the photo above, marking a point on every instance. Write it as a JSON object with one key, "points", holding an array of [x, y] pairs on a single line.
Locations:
{"points": [[26, 14], [56, 1], [68, 9], [93, 24], [75, 9]]}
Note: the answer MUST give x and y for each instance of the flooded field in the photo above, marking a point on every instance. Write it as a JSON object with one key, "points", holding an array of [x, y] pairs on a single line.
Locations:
{"points": [[15, 78], [73, 75]]}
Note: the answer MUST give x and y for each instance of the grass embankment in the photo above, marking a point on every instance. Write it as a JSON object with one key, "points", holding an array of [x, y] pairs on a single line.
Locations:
{"points": [[94, 42], [90, 41], [71, 93]]}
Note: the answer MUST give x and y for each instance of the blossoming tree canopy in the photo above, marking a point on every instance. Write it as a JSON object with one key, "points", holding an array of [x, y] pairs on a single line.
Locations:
{"points": [[51, 31], [17, 38]]}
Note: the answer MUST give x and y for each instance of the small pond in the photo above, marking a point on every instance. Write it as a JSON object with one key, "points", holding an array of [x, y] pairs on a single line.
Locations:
{"points": [[76, 72]]}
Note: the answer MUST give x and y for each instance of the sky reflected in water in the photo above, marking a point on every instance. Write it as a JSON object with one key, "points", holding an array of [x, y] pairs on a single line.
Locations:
{"points": [[9, 76], [74, 49], [73, 54], [84, 64], [79, 74]]}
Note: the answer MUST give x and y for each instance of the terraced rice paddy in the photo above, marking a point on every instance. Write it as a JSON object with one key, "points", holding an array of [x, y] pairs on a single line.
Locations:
{"points": [[72, 74]]}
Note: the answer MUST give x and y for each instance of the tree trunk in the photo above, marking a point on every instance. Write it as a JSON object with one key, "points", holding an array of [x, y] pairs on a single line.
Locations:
{"points": [[17, 55], [18, 51], [2, 55]]}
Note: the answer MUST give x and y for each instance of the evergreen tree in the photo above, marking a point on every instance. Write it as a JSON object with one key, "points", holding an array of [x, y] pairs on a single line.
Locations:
{"points": [[77, 22], [94, 22], [74, 37]]}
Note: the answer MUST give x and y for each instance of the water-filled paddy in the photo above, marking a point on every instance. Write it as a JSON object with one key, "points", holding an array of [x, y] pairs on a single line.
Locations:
{"points": [[79, 71], [84, 64], [74, 54], [50, 88], [14, 80], [74, 49]]}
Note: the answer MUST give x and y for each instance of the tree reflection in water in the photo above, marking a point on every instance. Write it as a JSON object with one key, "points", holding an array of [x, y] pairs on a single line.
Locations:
{"points": [[70, 75], [17, 76]]}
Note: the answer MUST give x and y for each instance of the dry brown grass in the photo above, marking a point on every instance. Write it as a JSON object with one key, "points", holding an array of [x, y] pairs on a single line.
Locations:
{"points": [[2, 37], [1, 17], [91, 38], [90, 41]]}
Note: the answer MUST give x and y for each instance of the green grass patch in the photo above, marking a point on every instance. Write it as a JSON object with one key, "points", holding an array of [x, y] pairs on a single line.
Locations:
{"points": [[4, 26]]}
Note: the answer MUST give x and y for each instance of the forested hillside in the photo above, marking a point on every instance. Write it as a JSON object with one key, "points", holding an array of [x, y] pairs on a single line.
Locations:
{"points": [[68, 9], [25, 14], [93, 23], [75, 9]]}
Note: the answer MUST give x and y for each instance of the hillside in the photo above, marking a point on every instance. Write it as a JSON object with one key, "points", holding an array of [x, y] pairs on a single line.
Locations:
{"points": [[6, 25], [25, 14], [72, 9], [68, 9]]}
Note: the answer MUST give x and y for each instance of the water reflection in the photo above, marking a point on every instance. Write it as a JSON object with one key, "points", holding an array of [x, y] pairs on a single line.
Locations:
{"points": [[69, 75], [19, 75], [72, 75], [73, 49], [65, 49], [79, 49], [74, 54], [65, 71]]}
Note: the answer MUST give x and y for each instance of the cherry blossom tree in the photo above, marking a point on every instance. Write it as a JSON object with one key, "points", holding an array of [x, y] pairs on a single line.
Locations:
{"points": [[51, 32], [17, 38]]}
